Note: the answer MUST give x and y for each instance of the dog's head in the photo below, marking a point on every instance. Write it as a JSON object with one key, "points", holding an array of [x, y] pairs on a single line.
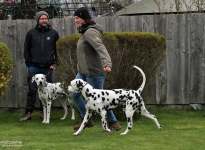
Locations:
{"points": [[40, 79], [76, 85]]}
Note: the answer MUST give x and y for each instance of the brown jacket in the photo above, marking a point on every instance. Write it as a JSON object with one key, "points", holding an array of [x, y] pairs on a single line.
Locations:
{"points": [[92, 55]]}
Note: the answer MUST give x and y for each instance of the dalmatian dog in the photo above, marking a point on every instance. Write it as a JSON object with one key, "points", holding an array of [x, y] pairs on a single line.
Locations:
{"points": [[48, 92], [100, 101]]}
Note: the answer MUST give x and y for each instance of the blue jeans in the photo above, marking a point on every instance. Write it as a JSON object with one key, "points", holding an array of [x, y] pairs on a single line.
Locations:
{"points": [[97, 82], [32, 87]]}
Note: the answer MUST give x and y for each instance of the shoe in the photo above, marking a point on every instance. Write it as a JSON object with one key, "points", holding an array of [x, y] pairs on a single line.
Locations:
{"points": [[26, 117], [41, 115], [114, 126], [88, 125]]}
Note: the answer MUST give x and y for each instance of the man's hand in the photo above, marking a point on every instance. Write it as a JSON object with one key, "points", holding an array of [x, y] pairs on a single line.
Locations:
{"points": [[107, 69], [52, 67]]}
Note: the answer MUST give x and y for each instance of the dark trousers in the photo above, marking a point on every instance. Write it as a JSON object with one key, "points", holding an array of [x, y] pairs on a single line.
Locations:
{"points": [[32, 87]]}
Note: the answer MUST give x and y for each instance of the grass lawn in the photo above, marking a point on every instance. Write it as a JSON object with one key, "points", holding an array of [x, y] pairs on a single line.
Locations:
{"points": [[182, 130]]}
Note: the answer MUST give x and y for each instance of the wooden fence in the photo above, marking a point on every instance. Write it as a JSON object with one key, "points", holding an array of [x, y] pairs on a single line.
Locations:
{"points": [[180, 78]]}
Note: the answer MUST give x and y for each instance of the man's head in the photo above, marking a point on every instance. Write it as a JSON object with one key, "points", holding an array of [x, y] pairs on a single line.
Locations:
{"points": [[81, 14], [42, 18]]}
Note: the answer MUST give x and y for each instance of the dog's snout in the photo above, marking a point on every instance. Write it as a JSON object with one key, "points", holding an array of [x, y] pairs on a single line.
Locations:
{"points": [[40, 82], [68, 90]]}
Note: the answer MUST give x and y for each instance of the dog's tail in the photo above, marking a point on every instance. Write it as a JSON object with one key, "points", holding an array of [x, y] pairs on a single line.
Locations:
{"points": [[144, 79]]}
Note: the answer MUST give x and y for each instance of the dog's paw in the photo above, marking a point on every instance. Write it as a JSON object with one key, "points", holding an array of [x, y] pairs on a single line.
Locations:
{"points": [[75, 134], [108, 130], [160, 128], [47, 122], [62, 118]]}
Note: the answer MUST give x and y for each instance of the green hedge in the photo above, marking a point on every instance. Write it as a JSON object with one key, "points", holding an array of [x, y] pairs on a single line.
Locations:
{"points": [[143, 49], [6, 67]]}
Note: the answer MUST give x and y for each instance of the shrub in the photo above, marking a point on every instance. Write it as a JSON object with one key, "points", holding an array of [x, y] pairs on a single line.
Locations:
{"points": [[6, 67], [143, 49]]}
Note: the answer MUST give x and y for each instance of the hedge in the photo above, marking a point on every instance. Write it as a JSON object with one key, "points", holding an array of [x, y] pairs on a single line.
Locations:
{"points": [[143, 49], [6, 67]]}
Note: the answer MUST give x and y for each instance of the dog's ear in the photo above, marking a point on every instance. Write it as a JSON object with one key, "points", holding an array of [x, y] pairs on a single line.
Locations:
{"points": [[44, 80], [79, 84], [33, 78], [45, 77]]}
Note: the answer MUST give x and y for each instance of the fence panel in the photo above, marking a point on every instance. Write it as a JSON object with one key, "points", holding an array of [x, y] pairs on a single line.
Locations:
{"points": [[180, 78]]}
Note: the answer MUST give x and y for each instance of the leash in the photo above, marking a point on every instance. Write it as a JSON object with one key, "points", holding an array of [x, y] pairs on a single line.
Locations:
{"points": [[50, 71]]}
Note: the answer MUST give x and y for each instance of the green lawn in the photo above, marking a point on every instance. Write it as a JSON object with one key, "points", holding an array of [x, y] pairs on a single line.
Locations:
{"points": [[182, 130]]}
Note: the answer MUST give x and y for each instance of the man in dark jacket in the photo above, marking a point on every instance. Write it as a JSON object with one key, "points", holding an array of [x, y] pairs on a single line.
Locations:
{"points": [[40, 57]]}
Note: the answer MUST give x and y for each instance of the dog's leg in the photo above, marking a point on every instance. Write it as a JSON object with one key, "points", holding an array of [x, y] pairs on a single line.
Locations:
{"points": [[63, 102], [44, 111], [145, 113], [129, 115], [72, 109], [103, 114], [73, 113], [48, 111], [85, 121]]}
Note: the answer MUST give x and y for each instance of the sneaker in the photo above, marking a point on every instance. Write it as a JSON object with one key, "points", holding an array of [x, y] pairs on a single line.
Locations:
{"points": [[114, 126], [88, 125], [26, 117], [41, 115]]}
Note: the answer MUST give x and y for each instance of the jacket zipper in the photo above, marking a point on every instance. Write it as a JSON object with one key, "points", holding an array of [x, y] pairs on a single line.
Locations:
{"points": [[42, 47]]}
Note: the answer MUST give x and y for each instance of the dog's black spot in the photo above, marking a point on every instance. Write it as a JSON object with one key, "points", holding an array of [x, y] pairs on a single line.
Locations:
{"points": [[130, 97], [128, 119], [90, 111], [88, 94], [103, 99], [129, 128], [107, 93], [98, 95], [116, 91], [106, 107], [99, 110], [122, 96], [139, 105], [113, 103], [134, 106], [136, 95], [103, 93]]}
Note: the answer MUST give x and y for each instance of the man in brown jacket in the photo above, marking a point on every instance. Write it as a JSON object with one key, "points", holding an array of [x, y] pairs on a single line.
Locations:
{"points": [[93, 63]]}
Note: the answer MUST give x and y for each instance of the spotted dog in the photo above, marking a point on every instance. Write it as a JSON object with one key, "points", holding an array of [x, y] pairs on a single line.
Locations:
{"points": [[100, 101], [48, 92]]}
